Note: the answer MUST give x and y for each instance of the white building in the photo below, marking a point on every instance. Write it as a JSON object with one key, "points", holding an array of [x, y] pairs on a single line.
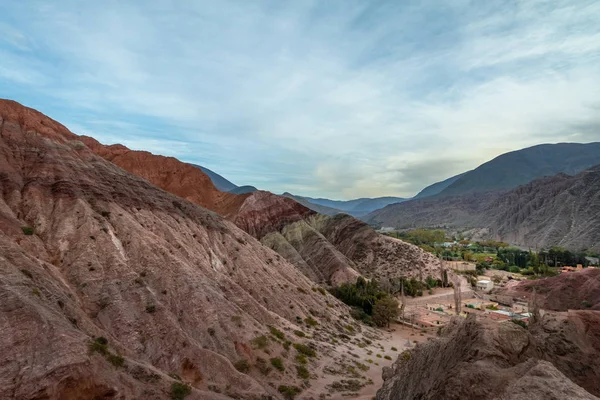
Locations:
{"points": [[485, 285]]}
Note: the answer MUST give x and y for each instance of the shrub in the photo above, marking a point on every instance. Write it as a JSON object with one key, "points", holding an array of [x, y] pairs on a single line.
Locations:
{"points": [[262, 366], [277, 333], [150, 308], [27, 230], [27, 273], [301, 358], [302, 372], [304, 350], [105, 214], [310, 321], [491, 307], [301, 290], [299, 333], [378, 355], [116, 360], [286, 344], [180, 390], [387, 357], [278, 364], [586, 304], [394, 349], [260, 342], [242, 366], [522, 324], [289, 392], [99, 346], [361, 366]]}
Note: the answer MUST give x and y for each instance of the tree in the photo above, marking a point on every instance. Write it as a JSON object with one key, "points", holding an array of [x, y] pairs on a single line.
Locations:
{"points": [[384, 311]]}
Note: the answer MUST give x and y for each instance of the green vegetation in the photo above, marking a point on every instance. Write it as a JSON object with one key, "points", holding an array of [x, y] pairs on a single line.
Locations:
{"points": [[116, 360], [262, 366], [27, 230], [302, 372], [278, 364], [299, 333], [242, 366], [491, 307], [394, 349], [310, 321], [260, 342], [276, 332], [384, 311], [305, 350], [520, 323], [100, 346], [387, 357], [180, 390], [301, 358], [289, 392]]}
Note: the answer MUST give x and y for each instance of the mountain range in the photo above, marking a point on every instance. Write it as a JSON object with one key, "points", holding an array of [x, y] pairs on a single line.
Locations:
{"points": [[559, 210]]}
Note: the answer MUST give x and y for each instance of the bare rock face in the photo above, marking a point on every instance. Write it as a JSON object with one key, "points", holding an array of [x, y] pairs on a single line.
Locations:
{"points": [[488, 360], [89, 250]]}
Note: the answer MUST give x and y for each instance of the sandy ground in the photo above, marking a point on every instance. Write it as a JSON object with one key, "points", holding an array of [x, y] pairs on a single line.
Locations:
{"points": [[397, 336]]}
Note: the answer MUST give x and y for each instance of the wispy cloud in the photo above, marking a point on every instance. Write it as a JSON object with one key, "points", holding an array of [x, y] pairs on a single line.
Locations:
{"points": [[337, 99]]}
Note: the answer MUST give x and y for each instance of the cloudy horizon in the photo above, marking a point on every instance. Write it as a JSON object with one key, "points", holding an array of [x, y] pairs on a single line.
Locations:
{"points": [[323, 99]]}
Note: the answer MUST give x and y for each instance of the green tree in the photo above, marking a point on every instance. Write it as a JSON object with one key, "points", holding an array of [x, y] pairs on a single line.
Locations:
{"points": [[384, 311]]}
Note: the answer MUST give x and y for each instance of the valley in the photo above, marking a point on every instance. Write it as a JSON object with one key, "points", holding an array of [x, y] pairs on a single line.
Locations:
{"points": [[150, 282]]}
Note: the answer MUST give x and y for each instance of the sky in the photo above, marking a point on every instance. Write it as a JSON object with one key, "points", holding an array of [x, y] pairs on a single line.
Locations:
{"points": [[337, 98]]}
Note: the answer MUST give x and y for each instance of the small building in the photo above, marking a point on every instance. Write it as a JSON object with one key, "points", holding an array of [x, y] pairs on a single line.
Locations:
{"points": [[485, 285]]}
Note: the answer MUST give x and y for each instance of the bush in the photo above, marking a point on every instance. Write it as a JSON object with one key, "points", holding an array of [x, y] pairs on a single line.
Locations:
{"points": [[278, 364], [116, 360], [260, 342], [522, 324], [262, 366], [180, 390], [150, 308], [289, 392], [310, 321], [99, 346], [299, 333], [242, 366], [586, 304], [387, 357], [302, 372], [301, 358], [277, 333], [27, 230], [304, 350], [514, 269], [394, 349]]}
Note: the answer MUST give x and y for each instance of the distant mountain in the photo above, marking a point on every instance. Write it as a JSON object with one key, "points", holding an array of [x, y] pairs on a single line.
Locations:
{"points": [[243, 189], [225, 185], [356, 207], [510, 170], [436, 188], [561, 210], [315, 207], [220, 183]]}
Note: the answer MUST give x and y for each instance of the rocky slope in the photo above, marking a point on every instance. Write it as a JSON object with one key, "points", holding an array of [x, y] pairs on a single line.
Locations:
{"points": [[556, 359], [89, 250], [561, 210], [347, 246], [570, 291]]}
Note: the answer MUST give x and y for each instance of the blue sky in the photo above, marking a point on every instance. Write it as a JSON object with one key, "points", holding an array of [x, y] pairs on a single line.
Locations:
{"points": [[338, 99]]}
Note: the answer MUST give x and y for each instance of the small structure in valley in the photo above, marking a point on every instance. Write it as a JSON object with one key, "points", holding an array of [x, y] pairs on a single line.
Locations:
{"points": [[485, 285]]}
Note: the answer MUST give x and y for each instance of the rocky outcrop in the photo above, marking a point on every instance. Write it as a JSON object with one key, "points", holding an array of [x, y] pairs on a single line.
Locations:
{"points": [[89, 250], [335, 249], [556, 359]]}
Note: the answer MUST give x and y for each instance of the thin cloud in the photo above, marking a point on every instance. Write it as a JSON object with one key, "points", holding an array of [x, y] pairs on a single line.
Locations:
{"points": [[336, 100]]}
